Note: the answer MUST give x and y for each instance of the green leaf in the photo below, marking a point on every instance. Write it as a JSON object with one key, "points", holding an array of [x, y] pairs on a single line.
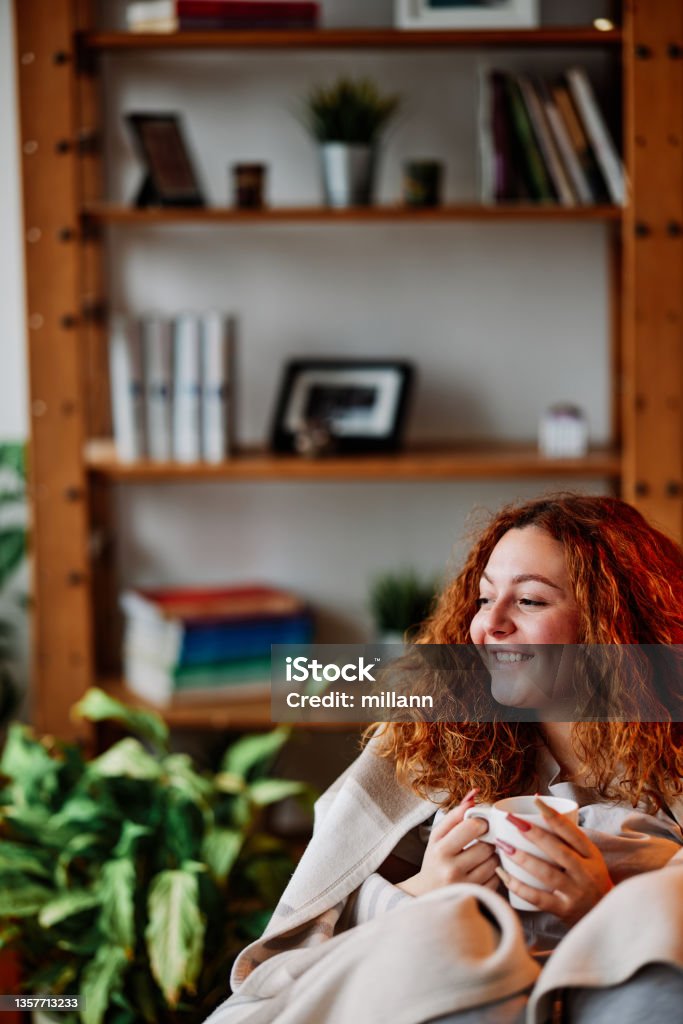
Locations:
{"points": [[13, 457], [175, 933], [82, 813], [181, 834], [126, 758], [220, 850], [242, 813], [101, 978], [16, 857], [26, 761], [269, 791], [12, 550], [22, 900], [117, 891], [183, 776], [228, 782], [249, 752], [88, 847], [131, 833], [68, 905], [98, 706]]}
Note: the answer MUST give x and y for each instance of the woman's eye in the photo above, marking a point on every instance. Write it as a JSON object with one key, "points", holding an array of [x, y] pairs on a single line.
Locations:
{"points": [[527, 601], [481, 601]]}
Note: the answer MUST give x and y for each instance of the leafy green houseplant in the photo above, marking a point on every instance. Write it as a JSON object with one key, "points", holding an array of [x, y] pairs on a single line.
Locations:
{"points": [[349, 110], [347, 119], [12, 554], [400, 602], [134, 878]]}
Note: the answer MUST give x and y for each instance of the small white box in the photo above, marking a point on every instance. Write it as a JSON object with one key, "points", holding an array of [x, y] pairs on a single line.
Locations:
{"points": [[563, 432]]}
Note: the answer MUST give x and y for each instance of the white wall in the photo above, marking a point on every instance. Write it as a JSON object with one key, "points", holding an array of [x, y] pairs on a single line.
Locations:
{"points": [[501, 319], [13, 387]]}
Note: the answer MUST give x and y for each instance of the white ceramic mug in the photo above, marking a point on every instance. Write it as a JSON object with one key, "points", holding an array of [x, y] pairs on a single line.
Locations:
{"points": [[500, 828]]}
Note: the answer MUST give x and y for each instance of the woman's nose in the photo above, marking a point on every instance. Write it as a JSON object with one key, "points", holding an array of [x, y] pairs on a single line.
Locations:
{"points": [[499, 622]]}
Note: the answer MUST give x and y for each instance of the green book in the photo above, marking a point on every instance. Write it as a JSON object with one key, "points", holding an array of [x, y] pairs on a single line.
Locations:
{"points": [[535, 172]]}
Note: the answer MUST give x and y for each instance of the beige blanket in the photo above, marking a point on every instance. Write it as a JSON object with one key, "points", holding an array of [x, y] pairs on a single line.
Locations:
{"points": [[302, 971]]}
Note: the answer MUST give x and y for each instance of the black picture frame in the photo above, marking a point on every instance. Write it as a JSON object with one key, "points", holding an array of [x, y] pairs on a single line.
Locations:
{"points": [[170, 177], [361, 403]]}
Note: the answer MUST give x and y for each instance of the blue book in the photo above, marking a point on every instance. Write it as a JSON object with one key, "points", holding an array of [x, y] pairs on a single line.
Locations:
{"points": [[175, 629]]}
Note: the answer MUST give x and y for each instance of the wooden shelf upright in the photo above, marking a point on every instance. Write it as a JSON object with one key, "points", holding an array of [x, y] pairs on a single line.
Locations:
{"points": [[58, 48]]}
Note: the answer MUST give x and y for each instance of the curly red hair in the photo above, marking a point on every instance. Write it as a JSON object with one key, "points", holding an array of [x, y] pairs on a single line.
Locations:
{"points": [[627, 579]]}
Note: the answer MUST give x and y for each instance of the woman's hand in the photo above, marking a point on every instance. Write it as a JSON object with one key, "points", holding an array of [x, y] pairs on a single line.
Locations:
{"points": [[446, 860], [578, 878]]}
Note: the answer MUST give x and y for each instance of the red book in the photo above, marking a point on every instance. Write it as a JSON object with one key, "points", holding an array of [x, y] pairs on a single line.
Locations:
{"points": [[248, 10], [195, 604]]}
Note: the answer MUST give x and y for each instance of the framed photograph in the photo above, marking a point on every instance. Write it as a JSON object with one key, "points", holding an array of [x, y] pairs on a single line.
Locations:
{"points": [[170, 178], [360, 405], [430, 14]]}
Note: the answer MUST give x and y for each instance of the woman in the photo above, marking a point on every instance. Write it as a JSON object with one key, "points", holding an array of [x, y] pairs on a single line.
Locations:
{"points": [[388, 920]]}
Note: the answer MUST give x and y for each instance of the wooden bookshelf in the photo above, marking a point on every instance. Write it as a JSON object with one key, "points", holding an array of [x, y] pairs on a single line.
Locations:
{"points": [[354, 39], [107, 213], [61, 108], [428, 462]]}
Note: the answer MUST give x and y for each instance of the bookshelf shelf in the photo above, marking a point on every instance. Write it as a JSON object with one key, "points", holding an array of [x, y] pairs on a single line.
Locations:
{"points": [[107, 213], [433, 462], [352, 38], [213, 714]]}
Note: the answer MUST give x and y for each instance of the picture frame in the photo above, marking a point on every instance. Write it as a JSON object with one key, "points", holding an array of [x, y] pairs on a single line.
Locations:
{"points": [[361, 404], [170, 177], [467, 14]]}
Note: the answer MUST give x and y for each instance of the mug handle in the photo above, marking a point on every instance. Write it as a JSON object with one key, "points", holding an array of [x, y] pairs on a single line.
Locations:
{"points": [[482, 811]]}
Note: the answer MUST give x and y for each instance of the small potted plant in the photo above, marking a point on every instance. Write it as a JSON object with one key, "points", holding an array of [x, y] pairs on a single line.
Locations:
{"points": [[347, 119], [399, 603], [134, 878]]}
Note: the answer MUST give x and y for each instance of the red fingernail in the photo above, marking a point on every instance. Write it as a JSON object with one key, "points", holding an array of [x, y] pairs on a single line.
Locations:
{"points": [[519, 823], [506, 847]]}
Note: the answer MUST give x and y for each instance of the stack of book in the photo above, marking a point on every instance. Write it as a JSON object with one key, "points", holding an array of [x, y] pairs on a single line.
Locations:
{"points": [[200, 15], [209, 643], [546, 141], [171, 383]]}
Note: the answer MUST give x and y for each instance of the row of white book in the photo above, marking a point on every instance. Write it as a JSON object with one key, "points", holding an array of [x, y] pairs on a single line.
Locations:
{"points": [[171, 384]]}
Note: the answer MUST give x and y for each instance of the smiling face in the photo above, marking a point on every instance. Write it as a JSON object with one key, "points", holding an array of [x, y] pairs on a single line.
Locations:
{"points": [[525, 605]]}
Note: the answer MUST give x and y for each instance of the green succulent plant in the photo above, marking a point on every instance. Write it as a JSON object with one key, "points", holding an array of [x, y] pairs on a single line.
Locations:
{"points": [[134, 878], [400, 601], [350, 110]]}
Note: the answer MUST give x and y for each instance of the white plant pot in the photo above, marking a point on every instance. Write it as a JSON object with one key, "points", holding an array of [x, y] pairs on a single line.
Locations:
{"points": [[348, 174]]}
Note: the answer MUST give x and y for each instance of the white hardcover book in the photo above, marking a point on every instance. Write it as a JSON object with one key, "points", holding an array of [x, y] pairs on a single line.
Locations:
{"points": [[186, 388], [218, 340], [157, 351], [127, 388], [151, 16], [598, 135]]}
